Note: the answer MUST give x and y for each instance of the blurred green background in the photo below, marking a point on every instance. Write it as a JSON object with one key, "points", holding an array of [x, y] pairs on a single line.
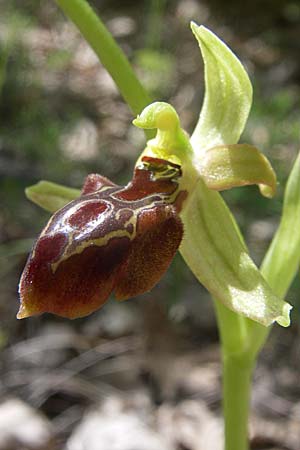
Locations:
{"points": [[61, 117]]}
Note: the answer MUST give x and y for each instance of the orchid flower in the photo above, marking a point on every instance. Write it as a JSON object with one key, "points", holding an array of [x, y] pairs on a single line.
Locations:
{"points": [[122, 239]]}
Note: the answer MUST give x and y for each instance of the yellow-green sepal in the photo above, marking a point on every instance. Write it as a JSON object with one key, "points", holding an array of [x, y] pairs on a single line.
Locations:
{"points": [[51, 196], [228, 93]]}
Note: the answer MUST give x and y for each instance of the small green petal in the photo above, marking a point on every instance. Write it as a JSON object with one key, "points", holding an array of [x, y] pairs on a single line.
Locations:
{"points": [[282, 260], [228, 94], [227, 166], [214, 251], [51, 196]]}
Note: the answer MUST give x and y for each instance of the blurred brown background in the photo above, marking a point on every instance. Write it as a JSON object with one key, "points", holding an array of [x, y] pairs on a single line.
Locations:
{"points": [[144, 374]]}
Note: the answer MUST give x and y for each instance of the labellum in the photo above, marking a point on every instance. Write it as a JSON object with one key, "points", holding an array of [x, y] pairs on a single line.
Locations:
{"points": [[111, 238]]}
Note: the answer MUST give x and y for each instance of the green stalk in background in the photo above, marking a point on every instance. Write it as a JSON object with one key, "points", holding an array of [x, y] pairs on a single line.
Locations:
{"points": [[281, 262], [108, 52]]}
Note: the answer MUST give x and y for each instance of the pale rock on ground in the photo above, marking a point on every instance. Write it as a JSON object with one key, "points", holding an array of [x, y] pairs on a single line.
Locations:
{"points": [[115, 427], [190, 425], [22, 427]]}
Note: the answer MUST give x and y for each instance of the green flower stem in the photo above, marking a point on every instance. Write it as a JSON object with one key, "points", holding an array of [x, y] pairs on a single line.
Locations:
{"points": [[109, 53], [237, 374], [232, 328]]}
